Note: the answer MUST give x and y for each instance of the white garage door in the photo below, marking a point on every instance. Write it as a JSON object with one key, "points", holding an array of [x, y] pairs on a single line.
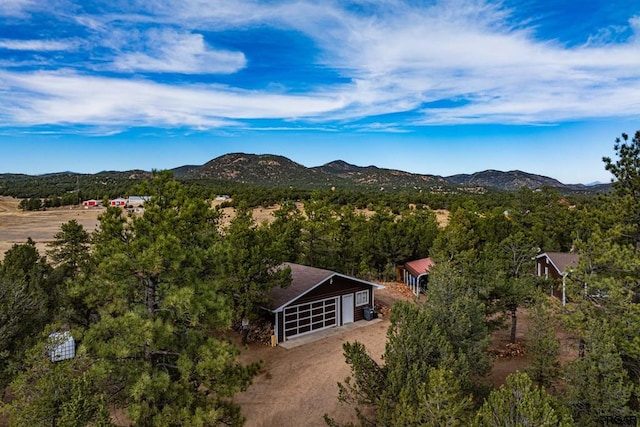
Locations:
{"points": [[314, 316]]}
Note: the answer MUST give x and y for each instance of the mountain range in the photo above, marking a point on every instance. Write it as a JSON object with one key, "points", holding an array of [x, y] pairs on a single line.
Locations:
{"points": [[274, 170], [270, 170]]}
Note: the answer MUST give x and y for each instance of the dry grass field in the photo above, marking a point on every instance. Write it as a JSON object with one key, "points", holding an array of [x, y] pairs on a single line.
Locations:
{"points": [[17, 226]]}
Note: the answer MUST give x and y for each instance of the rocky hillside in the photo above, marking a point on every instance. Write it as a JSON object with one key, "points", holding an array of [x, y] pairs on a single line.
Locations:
{"points": [[378, 177], [259, 169], [514, 180]]}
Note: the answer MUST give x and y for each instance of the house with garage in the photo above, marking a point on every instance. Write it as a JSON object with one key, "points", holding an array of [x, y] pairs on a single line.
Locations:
{"points": [[415, 274], [557, 266], [318, 299]]}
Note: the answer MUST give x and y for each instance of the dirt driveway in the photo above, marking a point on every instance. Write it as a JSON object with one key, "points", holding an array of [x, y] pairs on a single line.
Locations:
{"points": [[298, 386]]}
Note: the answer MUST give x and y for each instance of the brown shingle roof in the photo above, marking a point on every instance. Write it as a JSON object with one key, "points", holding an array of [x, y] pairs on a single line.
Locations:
{"points": [[419, 266], [562, 260], [303, 280]]}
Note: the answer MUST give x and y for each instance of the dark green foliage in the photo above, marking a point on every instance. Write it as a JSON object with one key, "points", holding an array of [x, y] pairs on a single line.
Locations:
{"points": [[285, 232], [597, 383], [23, 313], [249, 264], [157, 293], [70, 247], [31, 204], [513, 282], [66, 393], [152, 294], [70, 188], [433, 353], [521, 403], [454, 307], [626, 170], [542, 344]]}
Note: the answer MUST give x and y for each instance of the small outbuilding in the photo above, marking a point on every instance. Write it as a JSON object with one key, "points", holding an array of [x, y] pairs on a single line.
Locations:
{"points": [[318, 299], [415, 274]]}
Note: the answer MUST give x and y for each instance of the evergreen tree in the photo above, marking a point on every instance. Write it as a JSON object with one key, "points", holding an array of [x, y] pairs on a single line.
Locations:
{"points": [[250, 265], [513, 283], [285, 232], [521, 403], [420, 382], [597, 383], [69, 249], [458, 242], [454, 306], [27, 304], [318, 238], [440, 402], [66, 393], [626, 170], [542, 344]]}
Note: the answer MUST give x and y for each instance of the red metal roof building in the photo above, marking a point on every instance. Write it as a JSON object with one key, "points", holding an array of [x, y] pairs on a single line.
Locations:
{"points": [[416, 274]]}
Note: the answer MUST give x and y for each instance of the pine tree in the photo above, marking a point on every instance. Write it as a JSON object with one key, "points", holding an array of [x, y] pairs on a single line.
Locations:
{"points": [[542, 344], [521, 403], [597, 384]]}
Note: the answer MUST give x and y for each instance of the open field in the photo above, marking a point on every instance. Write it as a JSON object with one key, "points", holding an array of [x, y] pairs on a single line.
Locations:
{"points": [[17, 226]]}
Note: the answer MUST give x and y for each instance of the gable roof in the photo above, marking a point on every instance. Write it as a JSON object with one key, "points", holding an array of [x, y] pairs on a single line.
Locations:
{"points": [[303, 280], [562, 261], [419, 266]]}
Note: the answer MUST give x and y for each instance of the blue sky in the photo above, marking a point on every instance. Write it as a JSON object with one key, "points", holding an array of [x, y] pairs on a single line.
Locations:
{"points": [[429, 86]]}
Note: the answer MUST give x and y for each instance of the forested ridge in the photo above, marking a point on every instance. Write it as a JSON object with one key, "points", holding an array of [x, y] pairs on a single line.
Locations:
{"points": [[146, 297]]}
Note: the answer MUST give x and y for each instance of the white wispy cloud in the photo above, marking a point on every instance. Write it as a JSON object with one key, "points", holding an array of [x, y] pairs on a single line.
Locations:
{"points": [[14, 8], [37, 45], [172, 51], [67, 98]]}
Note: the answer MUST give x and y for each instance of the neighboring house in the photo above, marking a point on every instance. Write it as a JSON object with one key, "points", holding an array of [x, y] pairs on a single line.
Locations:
{"points": [[318, 299], [137, 201], [557, 266], [119, 202], [91, 203], [415, 274]]}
